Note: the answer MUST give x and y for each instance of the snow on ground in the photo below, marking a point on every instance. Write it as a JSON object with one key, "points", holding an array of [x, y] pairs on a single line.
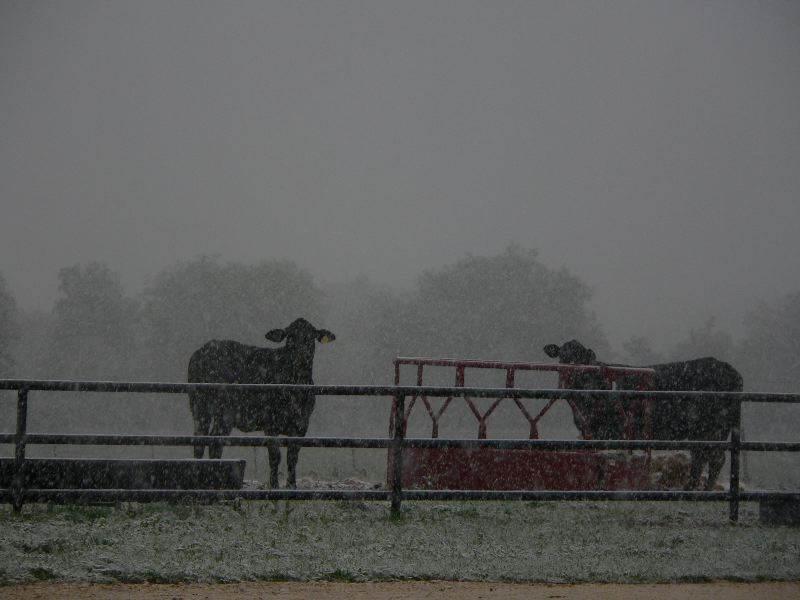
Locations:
{"points": [[503, 541]]}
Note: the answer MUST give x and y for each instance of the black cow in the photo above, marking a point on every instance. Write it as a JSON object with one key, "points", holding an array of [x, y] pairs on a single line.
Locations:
{"points": [[274, 412], [678, 419]]}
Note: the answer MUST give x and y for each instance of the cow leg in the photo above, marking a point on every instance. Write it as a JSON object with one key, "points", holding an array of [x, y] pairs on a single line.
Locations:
{"points": [[218, 428], [199, 450], [202, 423], [716, 460], [292, 452], [274, 463], [696, 469]]}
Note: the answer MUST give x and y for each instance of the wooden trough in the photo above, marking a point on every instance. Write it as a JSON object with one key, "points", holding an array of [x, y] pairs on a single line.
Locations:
{"points": [[125, 474], [779, 511]]}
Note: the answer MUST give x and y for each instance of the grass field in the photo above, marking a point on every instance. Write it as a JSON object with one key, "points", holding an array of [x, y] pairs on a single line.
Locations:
{"points": [[508, 541]]}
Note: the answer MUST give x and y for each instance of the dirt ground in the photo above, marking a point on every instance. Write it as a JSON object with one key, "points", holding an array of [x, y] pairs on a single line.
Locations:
{"points": [[406, 590]]}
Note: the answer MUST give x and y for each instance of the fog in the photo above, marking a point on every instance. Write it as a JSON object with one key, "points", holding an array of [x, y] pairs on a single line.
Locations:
{"points": [[649, 152], [651, 148]]}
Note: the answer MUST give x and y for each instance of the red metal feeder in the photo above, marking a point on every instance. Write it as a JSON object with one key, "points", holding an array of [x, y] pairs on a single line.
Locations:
{"points": [[499, 469]]}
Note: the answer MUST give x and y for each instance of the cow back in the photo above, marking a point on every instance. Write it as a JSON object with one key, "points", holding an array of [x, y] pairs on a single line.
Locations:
{"points": [[227, 361], [685, 417]]}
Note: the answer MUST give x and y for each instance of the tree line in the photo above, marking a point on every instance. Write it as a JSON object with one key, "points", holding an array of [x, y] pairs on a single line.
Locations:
{"points": [[502, 307]]}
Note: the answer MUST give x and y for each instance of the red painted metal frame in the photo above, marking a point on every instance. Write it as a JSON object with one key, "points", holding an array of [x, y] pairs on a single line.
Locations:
{"points": [[645, 381], [482, 469]]}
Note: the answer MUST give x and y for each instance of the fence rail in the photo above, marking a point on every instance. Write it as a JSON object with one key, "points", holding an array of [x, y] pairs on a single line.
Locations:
{"points": [[17, 494]]}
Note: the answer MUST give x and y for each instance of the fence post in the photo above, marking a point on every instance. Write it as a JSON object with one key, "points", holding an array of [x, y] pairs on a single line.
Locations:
{"points": [[397, 451], [736, 440], [18, 483]]}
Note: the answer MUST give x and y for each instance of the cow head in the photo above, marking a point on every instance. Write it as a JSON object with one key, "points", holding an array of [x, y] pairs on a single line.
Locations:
{"points": [[300, 333], [571, 353], [594, 417]]}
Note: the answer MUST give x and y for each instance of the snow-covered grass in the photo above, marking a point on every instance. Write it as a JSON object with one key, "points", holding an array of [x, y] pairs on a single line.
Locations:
{"points": [[513, 541]]}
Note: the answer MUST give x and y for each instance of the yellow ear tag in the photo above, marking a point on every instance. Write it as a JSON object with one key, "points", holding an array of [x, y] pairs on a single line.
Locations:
{"points": [[324, 339]]}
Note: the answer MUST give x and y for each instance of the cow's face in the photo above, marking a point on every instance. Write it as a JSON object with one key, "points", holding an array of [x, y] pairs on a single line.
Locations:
{"points": [[301, 333], [571, 353]]}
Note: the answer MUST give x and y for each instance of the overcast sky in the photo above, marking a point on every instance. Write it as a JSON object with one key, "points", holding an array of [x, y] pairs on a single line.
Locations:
{"points": [[653, 148]]}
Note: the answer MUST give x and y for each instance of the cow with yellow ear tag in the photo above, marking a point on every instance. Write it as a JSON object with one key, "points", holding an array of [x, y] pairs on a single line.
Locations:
{"points": [[276, 412]]}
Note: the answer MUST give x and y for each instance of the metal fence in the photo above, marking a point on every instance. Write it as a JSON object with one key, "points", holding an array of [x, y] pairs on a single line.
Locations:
{"points": [[394, 493]]}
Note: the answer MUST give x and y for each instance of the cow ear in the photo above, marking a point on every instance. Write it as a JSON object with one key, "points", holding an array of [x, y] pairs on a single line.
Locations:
{"points": [[324, 336], [276, 335], [551, 350]]}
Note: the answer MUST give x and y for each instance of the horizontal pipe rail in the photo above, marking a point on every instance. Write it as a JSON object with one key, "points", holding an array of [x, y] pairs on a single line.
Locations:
{"points": [[111, 495], [193, 440], [770, 446], [141, 495], [381, 390], [517, 366], [329, 442]]}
